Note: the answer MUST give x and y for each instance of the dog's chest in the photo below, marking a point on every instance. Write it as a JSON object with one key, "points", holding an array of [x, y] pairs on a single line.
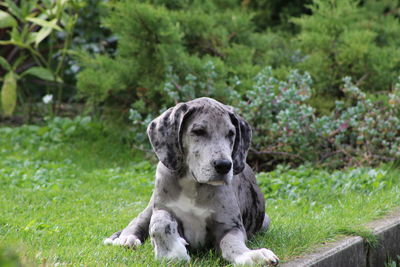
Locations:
{"points": [[193, 219]]}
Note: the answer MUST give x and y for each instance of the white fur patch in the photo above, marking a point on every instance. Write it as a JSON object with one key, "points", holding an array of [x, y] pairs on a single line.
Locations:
{"points": [[257, 256], [177, 251], [126, 240], [193, 219]]}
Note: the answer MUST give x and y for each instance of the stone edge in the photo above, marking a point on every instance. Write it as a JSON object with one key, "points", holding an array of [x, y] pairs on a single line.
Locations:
{"points": [[353, 251]]}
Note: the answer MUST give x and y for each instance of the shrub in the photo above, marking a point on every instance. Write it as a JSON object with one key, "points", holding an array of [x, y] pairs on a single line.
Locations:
{"points": [[57, 130], [87, 36], [308, 182], [275, 13], [240, 39], [155, 36], [347, 38], [171, 51], [287, 129]]}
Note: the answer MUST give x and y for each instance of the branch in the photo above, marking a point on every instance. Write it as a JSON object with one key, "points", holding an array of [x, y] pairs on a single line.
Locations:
{"points": [[361, 79]]}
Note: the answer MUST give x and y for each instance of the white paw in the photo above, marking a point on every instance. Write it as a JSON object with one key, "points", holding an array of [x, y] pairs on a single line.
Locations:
{"points": [[178, 250], [257, 256], [175, 251], [127, 240]]}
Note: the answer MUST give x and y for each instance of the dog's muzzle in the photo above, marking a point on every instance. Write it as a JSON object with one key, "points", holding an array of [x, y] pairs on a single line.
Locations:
{"points": [[222, 168]]}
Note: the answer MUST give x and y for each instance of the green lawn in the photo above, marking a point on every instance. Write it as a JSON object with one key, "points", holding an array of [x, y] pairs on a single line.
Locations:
{"points": [[62, 194]]}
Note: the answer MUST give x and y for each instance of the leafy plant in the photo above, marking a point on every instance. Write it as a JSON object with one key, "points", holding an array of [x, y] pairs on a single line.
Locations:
{"points": [[63, 129], [288, 129], [240, 39], [350, 38], [58, 130], [157, 38], [307, 182], [29, 24], [9, 93], [275, 13]]}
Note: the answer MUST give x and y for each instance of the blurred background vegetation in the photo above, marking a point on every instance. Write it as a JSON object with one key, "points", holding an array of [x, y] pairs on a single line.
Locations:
{"points": [[317, 80]]}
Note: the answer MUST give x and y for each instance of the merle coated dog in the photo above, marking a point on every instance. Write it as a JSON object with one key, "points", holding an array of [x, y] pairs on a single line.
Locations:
{"points": [[205, 194]]}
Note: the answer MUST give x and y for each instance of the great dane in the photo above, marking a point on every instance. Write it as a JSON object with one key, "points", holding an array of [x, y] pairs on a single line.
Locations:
{"points": [[205, 194]]}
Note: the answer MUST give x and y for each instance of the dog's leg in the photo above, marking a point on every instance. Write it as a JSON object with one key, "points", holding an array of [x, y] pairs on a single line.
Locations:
{"points": [[136, 232], [167, 242], [234, 249]]}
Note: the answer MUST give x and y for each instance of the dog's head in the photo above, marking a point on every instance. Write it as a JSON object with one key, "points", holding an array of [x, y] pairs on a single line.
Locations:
{"points": [[203, 137]]}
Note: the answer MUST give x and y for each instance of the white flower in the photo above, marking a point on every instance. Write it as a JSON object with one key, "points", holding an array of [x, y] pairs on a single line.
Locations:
{"points": [[47, 99]]}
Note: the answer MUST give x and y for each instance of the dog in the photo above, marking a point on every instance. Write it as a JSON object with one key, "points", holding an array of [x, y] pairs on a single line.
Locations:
{"points": [[205, 194]]}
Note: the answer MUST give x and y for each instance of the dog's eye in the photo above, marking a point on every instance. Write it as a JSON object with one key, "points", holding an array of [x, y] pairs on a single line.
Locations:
{"points": [[231, 134], [199, 132]]}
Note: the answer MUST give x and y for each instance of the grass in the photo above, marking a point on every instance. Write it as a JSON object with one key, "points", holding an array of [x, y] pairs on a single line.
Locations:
{"points": [[65, 187]]}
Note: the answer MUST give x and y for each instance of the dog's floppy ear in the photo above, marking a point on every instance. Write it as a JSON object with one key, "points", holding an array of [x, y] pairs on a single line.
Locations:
{"points": [[165, 133], [242, 142]]}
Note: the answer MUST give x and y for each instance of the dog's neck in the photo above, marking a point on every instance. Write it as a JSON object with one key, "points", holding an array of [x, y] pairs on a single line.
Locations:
{"points": [[189, 185]]}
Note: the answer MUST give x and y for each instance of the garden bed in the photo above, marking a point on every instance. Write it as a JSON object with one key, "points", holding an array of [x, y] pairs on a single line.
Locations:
{"points": [[66, 186]]}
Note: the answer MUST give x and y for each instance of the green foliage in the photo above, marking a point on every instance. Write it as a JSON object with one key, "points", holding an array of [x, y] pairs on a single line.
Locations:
{"points": [[275, 13], [8, 257], [135, 62], [306, 183], [172, 51], [155, 39], [64, 129], [9, 94], [59, 130], [344, 38], [287, 128], [88, 34], [240, 39], [30, 26]]}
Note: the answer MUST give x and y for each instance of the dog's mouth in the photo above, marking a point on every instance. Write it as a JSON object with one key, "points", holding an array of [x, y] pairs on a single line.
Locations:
{"points": [[214, 182]]}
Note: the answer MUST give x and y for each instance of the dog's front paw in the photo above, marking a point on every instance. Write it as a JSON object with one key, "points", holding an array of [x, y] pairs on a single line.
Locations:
{"points": [[130, 240], [178, 251], [258, 256], [175, 250]]}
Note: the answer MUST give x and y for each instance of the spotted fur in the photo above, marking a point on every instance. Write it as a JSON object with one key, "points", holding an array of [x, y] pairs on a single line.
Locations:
{"points": [[205, 194]]}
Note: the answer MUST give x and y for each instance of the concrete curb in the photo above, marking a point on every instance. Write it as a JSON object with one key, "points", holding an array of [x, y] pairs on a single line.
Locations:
{"points": [[354, 252]]}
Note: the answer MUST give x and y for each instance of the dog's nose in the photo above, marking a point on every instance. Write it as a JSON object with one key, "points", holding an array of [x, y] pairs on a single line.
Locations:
{"points": [[222, 166]]}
